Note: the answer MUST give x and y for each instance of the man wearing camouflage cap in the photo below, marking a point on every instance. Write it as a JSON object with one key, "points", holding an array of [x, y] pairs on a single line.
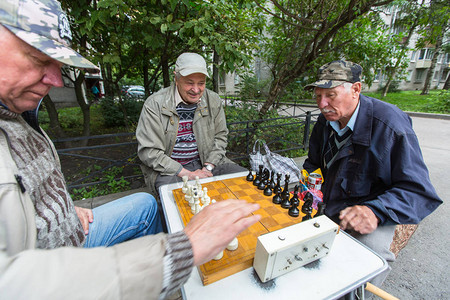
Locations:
{"points": [[42, 234], [374, 173]]}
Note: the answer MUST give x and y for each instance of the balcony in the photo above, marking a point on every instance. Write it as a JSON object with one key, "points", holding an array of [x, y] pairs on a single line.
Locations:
{"points": [[423, 64]]}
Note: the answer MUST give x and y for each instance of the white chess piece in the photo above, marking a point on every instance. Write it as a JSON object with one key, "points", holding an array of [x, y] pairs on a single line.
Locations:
{"points": [[194, 207], [205, 198], [233, 245], [218, 256], [184, 189], [197, 183]]}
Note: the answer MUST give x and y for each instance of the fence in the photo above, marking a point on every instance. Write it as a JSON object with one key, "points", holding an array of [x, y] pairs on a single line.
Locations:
{"points": [[111, 158]]}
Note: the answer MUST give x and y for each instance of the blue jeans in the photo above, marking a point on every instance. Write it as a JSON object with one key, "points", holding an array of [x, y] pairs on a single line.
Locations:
{"points": [[124, 219]]}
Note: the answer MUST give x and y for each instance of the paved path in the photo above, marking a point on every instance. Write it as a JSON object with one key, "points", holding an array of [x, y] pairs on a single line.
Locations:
{"points": [[422, 268]]}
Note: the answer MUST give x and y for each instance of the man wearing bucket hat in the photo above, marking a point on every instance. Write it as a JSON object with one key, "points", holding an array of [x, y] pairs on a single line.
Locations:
{"points": [[374, 173], [42, 234], [182, 129]]}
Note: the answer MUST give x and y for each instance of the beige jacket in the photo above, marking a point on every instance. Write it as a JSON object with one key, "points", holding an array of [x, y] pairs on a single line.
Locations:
{"points": [[158, 127], [131, 270]]}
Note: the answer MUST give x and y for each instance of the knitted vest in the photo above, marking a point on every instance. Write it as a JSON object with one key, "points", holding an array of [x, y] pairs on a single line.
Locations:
{"points": [[57, 223], [185, 149]]}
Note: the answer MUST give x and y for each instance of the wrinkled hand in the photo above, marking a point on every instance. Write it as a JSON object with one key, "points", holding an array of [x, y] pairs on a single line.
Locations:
{"points": [[359, 218], [86, 216], [213, 228], [201, 173]]}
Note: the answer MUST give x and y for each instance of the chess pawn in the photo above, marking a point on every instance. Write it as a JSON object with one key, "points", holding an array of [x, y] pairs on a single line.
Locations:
{"points": [[250, 176], [276, 199], [233, 245], [293, 211], [285, 203], [205, 199], [184, 189], [218, 256], [261, 185], [268, 191]]}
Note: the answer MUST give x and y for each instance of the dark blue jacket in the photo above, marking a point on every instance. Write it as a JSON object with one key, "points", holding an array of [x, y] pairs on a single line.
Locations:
{"points": [[381, 166]]}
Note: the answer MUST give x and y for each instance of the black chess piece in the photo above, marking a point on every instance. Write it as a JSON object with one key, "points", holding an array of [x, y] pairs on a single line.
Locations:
{"points": [[285, 193], [320, 209], [250, 176], [277, 198], [266, 176], [268, 191], [295, 202], [272, 183], [259, 175], [262, 185], [307, 206], [285, 203], [277, 188]]}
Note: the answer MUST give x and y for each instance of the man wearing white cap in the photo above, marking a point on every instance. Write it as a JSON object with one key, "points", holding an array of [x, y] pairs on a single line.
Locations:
{"points": [[182, 129], [42, 234]]}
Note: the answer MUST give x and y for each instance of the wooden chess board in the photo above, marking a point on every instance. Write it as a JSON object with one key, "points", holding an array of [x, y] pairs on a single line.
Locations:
{"points": [[274, 217]]}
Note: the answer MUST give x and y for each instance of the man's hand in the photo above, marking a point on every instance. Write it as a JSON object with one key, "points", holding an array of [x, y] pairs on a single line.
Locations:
{"points": [[213, 228], [359, 218], [86, 216], [201, 173]]}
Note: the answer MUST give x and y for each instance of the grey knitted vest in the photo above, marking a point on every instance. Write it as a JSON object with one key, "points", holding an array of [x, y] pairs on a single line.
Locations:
{"points": [[56, 220]]}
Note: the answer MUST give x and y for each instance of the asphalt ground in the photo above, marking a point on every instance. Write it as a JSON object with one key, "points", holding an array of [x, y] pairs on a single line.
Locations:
{"points": [[422, 268]]}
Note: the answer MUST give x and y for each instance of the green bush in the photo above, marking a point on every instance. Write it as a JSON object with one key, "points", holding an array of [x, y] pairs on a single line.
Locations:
{"points": [[252, 89], [114, 110], [440, 102]]}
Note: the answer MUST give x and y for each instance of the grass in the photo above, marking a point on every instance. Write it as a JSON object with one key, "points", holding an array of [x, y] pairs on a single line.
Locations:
{"points": [[435, 102]]}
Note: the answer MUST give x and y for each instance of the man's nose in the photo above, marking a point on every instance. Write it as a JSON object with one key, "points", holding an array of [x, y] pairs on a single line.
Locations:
{"points": [[321, 102], [52, 75]]}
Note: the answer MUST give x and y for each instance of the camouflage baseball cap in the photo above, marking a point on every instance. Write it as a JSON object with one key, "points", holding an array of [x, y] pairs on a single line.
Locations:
{"points": [[43, 25], [336, 73]]}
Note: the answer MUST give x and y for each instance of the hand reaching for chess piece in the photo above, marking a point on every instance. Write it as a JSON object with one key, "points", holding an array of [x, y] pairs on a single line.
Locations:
{"points": [[212, 229]]}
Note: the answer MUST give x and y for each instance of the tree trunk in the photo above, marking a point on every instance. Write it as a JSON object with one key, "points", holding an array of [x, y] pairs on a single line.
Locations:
{"points": [[165, 70], [84, 105], [145, 73], [55, 126], [215, 77], [426, 85]]}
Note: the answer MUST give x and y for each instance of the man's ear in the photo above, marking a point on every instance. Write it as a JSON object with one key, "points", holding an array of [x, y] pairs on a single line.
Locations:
{"points": [[356, 88]]}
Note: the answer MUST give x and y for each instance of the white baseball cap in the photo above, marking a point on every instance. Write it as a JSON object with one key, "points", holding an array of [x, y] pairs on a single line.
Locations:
{"points": [[190, 63]]}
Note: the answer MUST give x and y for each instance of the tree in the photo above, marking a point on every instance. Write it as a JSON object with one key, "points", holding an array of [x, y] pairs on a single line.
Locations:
{"points": [[407, 17], [304, 33], [434, 26]]}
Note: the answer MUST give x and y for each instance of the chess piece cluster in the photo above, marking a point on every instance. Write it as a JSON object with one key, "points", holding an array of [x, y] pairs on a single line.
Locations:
{"points": [[266, 181], [195, 195], [198, 198]]}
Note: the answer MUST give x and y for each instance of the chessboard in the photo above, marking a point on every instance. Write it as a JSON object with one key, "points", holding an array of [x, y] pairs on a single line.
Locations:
{"points": [[273, 217]]}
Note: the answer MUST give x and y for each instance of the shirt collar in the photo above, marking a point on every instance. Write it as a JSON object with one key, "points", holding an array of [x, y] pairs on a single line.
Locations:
{"points": [[350, 125]]}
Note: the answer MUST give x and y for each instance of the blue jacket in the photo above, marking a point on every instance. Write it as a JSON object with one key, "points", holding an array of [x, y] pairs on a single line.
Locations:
{"points": [[381, 166]]}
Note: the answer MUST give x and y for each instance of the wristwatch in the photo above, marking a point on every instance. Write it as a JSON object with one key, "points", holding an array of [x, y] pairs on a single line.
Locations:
{"points": [[209, 167]]}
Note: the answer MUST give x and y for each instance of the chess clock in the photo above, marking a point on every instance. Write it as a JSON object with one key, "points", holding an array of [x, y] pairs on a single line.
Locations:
{"points": [[284, 250]]}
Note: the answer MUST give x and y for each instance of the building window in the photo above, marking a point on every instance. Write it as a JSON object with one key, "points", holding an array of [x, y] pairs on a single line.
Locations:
{"points": [[419, 75], [444, 75], [436, 76], [426, 53], [413, 56]]}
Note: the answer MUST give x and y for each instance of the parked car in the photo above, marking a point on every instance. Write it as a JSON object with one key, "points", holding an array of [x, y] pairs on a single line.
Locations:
{"points": [[133, 91]]}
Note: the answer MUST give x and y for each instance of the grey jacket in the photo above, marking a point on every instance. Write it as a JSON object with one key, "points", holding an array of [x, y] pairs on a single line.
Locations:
{"points": [[158, 127], [131, 270]]}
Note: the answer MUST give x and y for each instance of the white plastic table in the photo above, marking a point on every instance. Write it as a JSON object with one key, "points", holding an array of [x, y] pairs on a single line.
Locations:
{"points": [[348, 266]]}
